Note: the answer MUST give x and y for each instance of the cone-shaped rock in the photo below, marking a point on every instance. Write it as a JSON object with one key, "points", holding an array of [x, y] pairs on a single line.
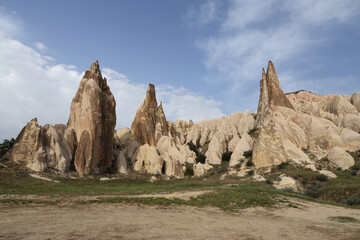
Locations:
{"points": [[92, 116], [150, 122], [271, 94], [47, 147]]}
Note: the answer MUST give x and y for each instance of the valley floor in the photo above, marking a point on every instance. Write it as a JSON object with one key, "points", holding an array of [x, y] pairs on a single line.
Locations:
{"points": [[130, 221]]}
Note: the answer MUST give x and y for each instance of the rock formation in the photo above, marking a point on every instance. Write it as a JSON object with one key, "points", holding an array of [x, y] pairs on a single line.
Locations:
{"points": [[48, 147], [149, 123], [309, 121], [92, 116], [271, 94]]}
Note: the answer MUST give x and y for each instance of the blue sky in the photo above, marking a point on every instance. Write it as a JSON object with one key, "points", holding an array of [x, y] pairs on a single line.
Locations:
{"points": [[204, 57]]}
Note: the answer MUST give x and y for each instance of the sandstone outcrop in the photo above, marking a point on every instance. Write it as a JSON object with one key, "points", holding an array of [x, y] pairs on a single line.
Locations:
{"points": [[149, 123], [47, 147], [92, 116], [216, 136], [271, 94], [338, 157], [311, 122]]}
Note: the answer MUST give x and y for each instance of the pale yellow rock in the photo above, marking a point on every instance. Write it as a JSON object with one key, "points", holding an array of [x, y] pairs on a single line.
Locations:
{"points": [[338, 157], [340, 105], [172, 157], [245, 144], [45, 147], [328, 173], [355, 100], [286, 182], [352, 122], [147, 159], [121, 164]]}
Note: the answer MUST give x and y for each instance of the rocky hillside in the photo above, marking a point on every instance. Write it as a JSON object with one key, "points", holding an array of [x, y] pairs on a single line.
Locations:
{"points": [[303, 128]]}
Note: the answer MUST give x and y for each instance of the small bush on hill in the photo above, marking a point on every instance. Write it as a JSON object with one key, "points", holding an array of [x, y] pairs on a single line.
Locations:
{"points": [[225, 157], [189, 171], [322, 178], [201, 158], [248, 154], [352, 201], [313, 191], [282, 165], [250, 173], [249, 163], [6, 145]]}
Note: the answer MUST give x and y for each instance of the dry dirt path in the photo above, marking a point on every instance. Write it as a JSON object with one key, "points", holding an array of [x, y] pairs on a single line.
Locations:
{"points": [[123, 221]]}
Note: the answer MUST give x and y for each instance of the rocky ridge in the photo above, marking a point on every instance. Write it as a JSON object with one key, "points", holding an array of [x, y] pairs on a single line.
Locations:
{"points": [[301, 127]]}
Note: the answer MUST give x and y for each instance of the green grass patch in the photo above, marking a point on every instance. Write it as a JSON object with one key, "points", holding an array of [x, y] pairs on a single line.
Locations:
{"points": [[344, 219]]}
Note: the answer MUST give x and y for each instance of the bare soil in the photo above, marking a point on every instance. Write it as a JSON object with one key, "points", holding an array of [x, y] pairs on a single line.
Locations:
{"points": [[129, 221]]}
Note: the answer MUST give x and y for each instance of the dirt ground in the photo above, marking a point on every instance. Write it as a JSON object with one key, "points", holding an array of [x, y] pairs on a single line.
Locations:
{"points": [[129, 221]]}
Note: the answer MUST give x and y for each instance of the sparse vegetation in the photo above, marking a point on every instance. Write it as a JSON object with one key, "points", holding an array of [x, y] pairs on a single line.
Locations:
{"points": [[225, 157], [313, 191], [352, 201], [344, 219], [248, 154], [201, 158], [249, 163], [189, 171], [250, 173], [322, 178], [6, 145]]}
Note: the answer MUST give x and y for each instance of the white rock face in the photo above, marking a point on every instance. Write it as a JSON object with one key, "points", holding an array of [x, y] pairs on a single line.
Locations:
{"points": [[340, 158], [286, 182], [45, 147], [355, 100], [173, 159], [245, 144], [147, 160], [121, 164], [220, 135], [200, 169]]}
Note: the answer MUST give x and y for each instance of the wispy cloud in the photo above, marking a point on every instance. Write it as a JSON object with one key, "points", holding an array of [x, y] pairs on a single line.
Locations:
{"points": [[206, 13], [40, 46], [252, 32], [34, 85]]}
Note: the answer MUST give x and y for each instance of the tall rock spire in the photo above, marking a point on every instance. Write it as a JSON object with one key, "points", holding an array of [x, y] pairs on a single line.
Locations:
{"points": [[271, 94], [150, 122], [92, 116]]}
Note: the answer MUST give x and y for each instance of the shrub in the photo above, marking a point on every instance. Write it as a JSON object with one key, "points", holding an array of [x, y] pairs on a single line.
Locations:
{"points": [[6, 145], [250, 173], [249, 163], [352, 201], [193, 147], [339, 168], [355, 168], [288, 189], [248, 154], [282, 165], [201, 158], [313, 191], [225, 157], [322, 178], [251, 131], [353, 172], [189, 171], [304, 181], [268, 181]]}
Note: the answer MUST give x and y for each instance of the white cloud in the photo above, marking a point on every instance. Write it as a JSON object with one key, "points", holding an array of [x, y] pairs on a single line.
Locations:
{"points": [[40, 46], [33, 85], [252, 32], [178, 103], [206, 13]]}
